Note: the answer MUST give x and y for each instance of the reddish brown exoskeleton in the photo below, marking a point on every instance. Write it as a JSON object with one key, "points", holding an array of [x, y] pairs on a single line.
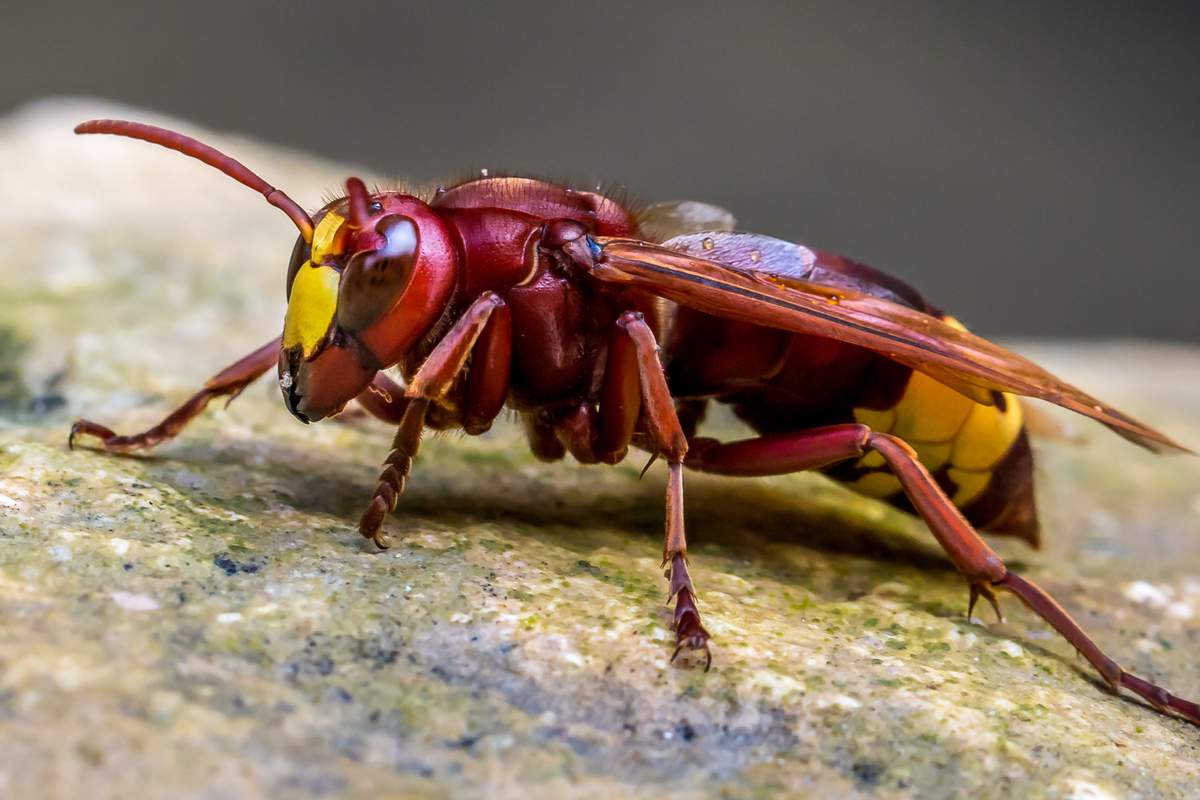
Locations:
{"points": [[518, 293]]}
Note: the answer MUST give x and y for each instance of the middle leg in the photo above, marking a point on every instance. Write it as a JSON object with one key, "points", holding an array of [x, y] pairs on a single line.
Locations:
{"points": [[633, 364]]}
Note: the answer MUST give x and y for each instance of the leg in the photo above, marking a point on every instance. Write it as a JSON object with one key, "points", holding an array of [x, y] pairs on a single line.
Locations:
{"points": [[432, 381], [594, 435], [979, 564], [576, 432], [488, 378], [229, 382], [620, 397], [691, 414], [543, 441], [667, 439], [396, 469]]}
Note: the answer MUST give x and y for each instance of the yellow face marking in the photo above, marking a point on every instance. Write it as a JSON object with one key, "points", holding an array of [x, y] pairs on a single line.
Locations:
{"points": [[323, 237], [311, 307]]}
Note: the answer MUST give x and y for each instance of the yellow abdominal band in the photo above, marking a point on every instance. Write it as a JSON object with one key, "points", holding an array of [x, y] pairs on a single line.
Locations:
{"points": [[947, 430]]}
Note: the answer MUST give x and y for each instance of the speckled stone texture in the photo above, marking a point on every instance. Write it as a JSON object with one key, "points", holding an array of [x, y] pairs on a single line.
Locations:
{"points": [[204, 622]]}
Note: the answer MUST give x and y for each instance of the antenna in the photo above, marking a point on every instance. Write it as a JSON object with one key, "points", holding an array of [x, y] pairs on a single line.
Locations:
{"points": [[209, 155]]}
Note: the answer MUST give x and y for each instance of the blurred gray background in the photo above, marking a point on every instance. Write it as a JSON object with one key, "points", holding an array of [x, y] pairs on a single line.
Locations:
{"points": [[1029, 166]]}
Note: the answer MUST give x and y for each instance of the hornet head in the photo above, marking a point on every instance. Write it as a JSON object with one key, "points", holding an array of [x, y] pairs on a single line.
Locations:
{"points": [[375, 277], [368, 277]]}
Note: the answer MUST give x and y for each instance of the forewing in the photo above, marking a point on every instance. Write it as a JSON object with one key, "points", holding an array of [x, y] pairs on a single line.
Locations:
{"points": [[757, 253], [911, 337]]}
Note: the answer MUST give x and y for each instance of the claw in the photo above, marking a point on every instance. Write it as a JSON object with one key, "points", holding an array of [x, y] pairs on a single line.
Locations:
{"points": [[83, 427], [371, 523], [695, 643], [689, 633], [982, 589]]}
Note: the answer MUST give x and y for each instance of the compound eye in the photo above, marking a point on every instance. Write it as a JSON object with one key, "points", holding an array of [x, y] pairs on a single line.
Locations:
{"points": [[299, 256], [374, 279]]}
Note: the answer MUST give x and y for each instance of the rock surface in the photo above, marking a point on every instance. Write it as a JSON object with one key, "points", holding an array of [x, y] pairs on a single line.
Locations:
{"points": [[204, 621]]}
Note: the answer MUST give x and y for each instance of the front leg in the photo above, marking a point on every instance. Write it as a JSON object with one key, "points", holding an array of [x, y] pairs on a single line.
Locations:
{"points": [[433, 379], [229, 383]]}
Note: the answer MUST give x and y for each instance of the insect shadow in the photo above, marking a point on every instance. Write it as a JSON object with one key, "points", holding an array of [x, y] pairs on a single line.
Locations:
{"points": [[457, 486]]}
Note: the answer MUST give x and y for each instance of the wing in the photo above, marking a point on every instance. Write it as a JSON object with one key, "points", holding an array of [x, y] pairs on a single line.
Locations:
{"points": [[1041, 424], [778, 294], [663, 221]]}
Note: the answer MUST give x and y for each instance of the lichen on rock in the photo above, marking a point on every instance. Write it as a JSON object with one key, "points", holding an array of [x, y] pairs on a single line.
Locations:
{"points": [[203, 621]]}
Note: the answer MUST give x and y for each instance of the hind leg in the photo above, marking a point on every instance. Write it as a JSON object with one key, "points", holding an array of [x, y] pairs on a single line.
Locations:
{"points": [[980, 565]]}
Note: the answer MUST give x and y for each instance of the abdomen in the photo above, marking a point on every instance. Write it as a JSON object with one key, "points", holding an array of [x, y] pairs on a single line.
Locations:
{"points": [[979, 454], [779, 382]]}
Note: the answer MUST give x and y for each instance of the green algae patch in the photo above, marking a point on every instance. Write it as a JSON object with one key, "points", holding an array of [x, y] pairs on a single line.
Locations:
{"points": [[206, 621]]}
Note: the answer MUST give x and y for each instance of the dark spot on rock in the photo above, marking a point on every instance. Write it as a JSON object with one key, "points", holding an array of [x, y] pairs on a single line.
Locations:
{"points": [[231, 566], [464, 742], [685, 731], [380, 649], [226, 563], [867, 773], [314, 661], [586, 566], [127, 566]]}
